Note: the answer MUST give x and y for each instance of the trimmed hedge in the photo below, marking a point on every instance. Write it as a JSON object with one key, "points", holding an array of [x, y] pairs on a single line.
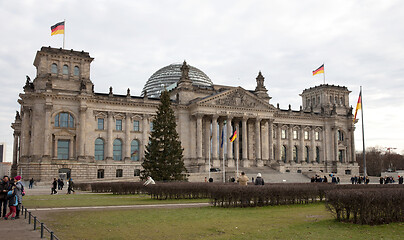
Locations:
{"points": [[367, 206]]}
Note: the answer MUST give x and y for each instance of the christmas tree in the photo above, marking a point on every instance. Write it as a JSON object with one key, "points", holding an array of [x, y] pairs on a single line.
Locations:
{"points": [[164, 154]]}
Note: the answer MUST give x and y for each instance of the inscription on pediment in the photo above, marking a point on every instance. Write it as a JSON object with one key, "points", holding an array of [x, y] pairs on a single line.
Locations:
{"points": [[237, 98]]}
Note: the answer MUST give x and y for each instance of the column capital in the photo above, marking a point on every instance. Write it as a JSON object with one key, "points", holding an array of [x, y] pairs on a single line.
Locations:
{"points": [[199, 115], [229, 117], [215, 116]]}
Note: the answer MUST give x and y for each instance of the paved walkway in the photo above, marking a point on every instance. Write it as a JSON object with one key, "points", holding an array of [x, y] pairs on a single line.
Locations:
{"points": [[18, 229], [174, 205]]}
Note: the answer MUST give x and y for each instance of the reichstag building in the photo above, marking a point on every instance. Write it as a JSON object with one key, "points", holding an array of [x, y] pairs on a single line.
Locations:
{"points": [[65, 128]]}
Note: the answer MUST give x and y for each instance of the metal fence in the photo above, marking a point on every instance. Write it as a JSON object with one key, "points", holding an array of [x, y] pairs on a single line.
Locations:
{"points": [[35, 221]]}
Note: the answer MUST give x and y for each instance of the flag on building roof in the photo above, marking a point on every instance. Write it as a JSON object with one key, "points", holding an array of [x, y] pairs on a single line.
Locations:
{"points": [[58, 28], [358, 105], [234, 136], [319, 70]]}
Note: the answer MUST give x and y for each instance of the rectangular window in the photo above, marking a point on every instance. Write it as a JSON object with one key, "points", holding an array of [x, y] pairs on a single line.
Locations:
{"points": [[317, 136], [341, 156], [119, 173], [100, 173], [295, 134], [283, 134], [306, 135], [136, 126], [100, 124], [63, 149], [119, 125]]}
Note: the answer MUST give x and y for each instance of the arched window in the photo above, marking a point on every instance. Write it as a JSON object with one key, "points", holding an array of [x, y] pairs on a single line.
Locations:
{"points": [[99, 149], [317, 154], [117, 150], [76, 71], [65, 69], [134, 150], [295, 154], [283, 153], [307, 154], [136, 173], [54, 68], [64, 120]]}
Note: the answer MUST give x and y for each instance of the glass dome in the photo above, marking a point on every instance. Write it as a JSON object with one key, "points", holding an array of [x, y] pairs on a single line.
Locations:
{"points": [[167, 78]]}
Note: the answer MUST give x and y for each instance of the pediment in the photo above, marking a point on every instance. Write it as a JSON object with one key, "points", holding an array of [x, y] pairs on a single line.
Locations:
{"points": [[237, 97], [65, 133]]}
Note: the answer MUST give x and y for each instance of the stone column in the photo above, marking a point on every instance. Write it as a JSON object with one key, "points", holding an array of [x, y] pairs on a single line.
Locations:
{"points": [[207, 139], [230, 160], [82, 132], [221, 148], [278, 143], [145, 135], [127, 153], [353, 155], [215, 158], [47, 141], [259, 162], [312, 156], [25, 137], [237, 143], [290, 144], [110, 141], [265, 142], [302, 147], [14, 167], [199, 137], [271, 141], [244, 142], [336, 145]]}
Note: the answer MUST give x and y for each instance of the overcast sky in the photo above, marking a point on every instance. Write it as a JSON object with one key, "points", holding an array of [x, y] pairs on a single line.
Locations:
{"points": [[360, 42]]}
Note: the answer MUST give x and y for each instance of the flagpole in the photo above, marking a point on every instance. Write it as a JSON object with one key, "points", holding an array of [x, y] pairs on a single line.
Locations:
{"points": [[363, 138], [324, 73], [224, 166], [210, 142], [64, 33]]}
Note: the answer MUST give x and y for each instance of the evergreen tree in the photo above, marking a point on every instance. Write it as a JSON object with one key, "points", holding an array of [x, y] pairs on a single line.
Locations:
{"points": [[163, 155]]}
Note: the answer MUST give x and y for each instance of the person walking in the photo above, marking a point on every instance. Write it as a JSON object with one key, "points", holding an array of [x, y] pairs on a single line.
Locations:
{"points": [[62, 184], [5, 186], [12, 203], [31, 183], [70, 188], [54, 186], [19, 191], [242, 179], [259, 180]]}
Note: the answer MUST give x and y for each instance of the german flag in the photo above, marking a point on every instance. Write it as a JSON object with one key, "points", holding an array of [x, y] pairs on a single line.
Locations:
{"points": [[319, 70], [58, 28], [234, 136], [358, 105]]}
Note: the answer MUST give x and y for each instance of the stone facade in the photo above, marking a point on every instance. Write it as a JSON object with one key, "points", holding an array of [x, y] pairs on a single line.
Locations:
{"points": [[66, 128]]}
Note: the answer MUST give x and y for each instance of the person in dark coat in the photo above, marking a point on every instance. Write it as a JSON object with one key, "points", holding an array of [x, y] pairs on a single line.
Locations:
{"points": [[70, 188], [31, 183], [259, 180], [62, 184], [400, 179], [353, 180], [54, 186], [5, 186], [381, 180]]}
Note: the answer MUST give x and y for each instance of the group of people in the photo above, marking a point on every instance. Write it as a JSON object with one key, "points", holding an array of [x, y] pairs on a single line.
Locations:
{"points": [[360, 180], [317, 178], [11, 192], [59, 184], [387, 180]]}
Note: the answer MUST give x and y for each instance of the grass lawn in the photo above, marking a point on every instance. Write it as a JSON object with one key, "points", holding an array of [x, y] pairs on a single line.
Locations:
{"points": [[310, 221], [83, 200]]}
